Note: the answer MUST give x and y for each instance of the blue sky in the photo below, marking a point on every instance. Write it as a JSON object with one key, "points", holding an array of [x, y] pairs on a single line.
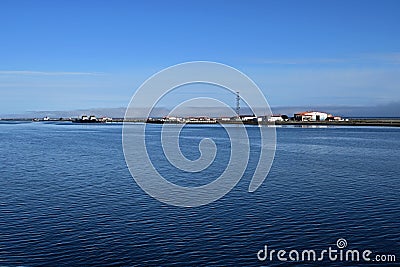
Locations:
{"points": [[65, 55]]}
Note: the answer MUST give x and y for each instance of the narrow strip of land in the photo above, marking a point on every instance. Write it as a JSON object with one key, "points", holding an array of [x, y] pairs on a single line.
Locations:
{"points": [[395, 122]]}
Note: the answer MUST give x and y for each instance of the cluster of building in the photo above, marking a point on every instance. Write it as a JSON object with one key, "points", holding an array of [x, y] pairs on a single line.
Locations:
{"points": [[82, 119], [92, 118], [308, 116], [316, 116], [173, 119], [252, 119]]}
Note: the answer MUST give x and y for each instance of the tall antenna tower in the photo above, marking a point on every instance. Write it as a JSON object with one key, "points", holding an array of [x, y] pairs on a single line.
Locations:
{"points": [[237, 104]]}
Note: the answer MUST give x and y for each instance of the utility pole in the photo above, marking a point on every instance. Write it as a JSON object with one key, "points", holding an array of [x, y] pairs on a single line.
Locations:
{"points": [[237, 104]]}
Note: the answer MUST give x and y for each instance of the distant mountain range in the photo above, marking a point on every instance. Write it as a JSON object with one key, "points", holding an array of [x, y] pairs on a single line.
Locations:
{"points": [[384, 110]]}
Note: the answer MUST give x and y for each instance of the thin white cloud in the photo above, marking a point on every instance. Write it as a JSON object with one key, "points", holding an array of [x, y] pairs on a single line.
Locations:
{"points": [[323, 86], [48, 73], [393, 58], [372, 58], [302, 61]]}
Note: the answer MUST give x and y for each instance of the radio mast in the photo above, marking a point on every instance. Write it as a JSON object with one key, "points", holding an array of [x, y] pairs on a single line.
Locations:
{"points": [[237, 104]]}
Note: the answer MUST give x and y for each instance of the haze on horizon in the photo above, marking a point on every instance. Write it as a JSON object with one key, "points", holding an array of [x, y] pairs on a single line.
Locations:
{"points": [[66, 56]]}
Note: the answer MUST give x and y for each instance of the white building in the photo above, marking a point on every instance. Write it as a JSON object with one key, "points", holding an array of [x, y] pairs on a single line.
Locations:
{"points": [[248, 117], [105, 119], [274, 118], [225, 119], [311, 116], [92, 118]]}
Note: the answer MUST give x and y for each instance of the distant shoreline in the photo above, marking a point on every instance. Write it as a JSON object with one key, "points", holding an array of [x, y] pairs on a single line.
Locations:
{"points": [[384, 122], [358, 122]]}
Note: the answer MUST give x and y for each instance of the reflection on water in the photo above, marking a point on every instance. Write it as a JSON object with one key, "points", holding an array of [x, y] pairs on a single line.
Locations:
{"points": [[67, 197]]}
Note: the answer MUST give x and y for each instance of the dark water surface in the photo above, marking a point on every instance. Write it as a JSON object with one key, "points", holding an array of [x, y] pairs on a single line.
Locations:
{"points": [[67, 198]]}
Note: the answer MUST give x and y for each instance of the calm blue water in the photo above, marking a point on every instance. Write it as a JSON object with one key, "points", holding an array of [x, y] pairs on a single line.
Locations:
{"points": [[67, 198]]}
